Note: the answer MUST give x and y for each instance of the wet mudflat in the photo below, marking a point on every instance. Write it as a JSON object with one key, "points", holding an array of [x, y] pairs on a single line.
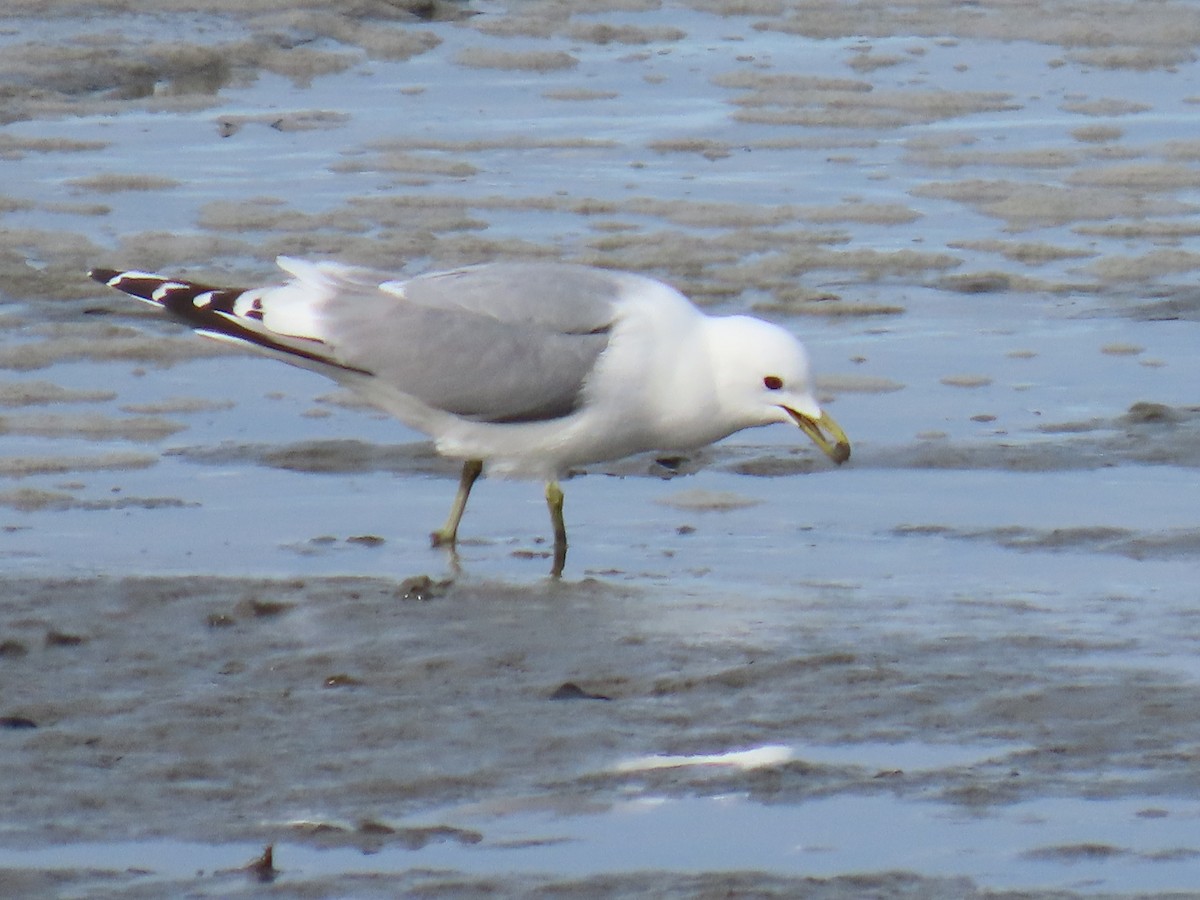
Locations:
{"points": [[963, 663]]}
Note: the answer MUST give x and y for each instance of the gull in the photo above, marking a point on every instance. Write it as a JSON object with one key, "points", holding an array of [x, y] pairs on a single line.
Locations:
{"points": [[522, 369]]}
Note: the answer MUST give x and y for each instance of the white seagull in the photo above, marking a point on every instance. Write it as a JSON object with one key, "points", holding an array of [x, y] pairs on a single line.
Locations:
{"points": [[525, 368]]}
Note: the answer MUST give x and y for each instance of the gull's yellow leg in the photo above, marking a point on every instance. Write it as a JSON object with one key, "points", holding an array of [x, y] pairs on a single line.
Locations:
{"points": [[447, 535], [554, 500]]}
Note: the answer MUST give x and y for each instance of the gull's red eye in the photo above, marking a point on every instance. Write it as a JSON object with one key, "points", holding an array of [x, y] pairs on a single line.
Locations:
{"points": [[773, 383]]}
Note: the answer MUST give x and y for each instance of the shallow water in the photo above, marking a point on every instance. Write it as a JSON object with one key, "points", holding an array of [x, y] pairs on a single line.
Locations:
{"points": [[1028, 845], [970, 653]]}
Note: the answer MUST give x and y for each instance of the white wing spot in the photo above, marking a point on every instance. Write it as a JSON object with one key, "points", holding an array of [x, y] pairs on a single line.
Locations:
{"points": [[165, 288], [115, 281], [200, 301]]}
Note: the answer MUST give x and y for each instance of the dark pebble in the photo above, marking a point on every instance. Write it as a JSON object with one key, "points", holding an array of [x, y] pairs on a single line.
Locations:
{"points": [[572, 691], [61, 639], [13, 648]]}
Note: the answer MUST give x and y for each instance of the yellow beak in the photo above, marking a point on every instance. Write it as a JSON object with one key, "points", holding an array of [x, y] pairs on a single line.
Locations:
{"points": [[835, 445]]}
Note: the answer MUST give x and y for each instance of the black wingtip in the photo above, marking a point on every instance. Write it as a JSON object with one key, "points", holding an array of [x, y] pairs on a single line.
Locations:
{"points": [[215, 313]]}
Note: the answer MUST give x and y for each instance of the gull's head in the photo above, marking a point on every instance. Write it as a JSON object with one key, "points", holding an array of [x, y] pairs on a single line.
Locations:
{"points": [[763, 377]]}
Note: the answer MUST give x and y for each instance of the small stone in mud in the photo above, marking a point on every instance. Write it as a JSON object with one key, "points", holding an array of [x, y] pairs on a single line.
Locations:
{"points": [[17, 722], [365, 540], [12, 648], [262, 609], [416, 588], [571, 691], [422, 587], [685, 529], [342, 680], [370, 826], [263, 868], [62, 639], [1144, 412]]}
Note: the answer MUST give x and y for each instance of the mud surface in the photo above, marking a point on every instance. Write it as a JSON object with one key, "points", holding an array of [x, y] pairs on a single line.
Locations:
{"points": [[962, 665]]}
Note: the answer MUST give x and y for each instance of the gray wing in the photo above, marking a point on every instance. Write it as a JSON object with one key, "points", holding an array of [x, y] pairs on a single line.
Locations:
{"points": [[569, 299], [510, 342]]}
